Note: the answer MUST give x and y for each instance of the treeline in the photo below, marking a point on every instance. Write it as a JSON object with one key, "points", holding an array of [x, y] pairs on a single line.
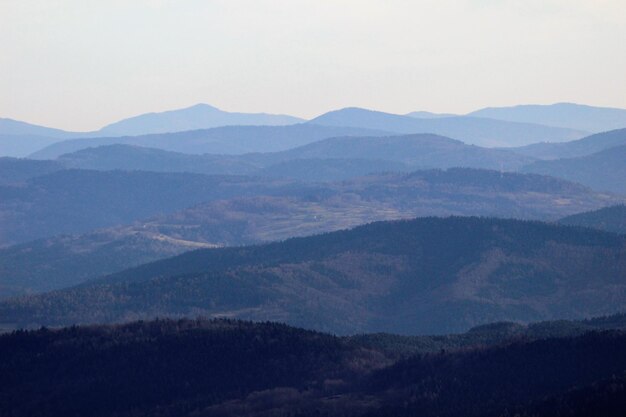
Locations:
{"points": [[227, 367]]}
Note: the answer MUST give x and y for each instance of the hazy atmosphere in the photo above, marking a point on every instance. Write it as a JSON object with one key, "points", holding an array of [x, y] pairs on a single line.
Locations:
{"points": [[78, 65], [289, 208]]}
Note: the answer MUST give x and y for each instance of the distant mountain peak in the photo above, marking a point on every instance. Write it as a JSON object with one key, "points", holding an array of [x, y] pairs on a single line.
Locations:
{"points": [[198, 116]]}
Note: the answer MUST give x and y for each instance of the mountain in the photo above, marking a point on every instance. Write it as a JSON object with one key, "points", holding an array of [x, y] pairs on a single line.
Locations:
{"points": [[19, 146], [230, 368], [471, 130], [200, 116], [416, 151], [610, 219], [603, 171], [14, 171], [581, 147], [429, 115], [220, 140], [428, 275], [286, 210], [569, 115], [328, 159], [77, 201], [15, 127], [129, 157]]}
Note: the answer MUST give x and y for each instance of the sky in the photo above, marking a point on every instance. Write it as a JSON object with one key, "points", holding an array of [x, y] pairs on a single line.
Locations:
{"points": [[81, 64]]}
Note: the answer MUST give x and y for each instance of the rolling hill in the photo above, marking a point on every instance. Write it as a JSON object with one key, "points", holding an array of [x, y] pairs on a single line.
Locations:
{"points": [[428, 275], [610, 219], [286, 210], [327, 159], [76, 201], [576, 148], [573, 116], [471, 130], [221, 140], [15, 171], [602, 171]]}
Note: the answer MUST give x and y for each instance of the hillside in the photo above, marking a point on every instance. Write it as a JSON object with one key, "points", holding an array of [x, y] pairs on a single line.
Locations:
{"points": [[75, 201], [602, 171], [129, 157], [16, 127], [20, 146], [200, 116], [284, 211], [220, 140], [327, 159], [16, 170], [417, 151], [610, 219], [471, 130], [224, 368], [570, 115], [427, 275], [576, 148]]}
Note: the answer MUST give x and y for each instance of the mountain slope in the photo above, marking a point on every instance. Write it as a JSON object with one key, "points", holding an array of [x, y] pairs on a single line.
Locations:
{"points": [[581, 147], [427, 275], [220, 140], [200, 116], [19, 146], [471, 130], [61, 261], [329, 159], [16, 127], [416, 151], [15, 171], [206, 368], [573, 116], [603, 171], [75, 201], [129, 157], [610, 219]]}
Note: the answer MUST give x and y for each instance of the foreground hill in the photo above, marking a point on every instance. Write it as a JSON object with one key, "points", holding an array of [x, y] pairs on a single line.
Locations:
{"points": [[570, 115], [426, 275], [285, 210], [576, 148], [603, 171], [225, 368], [610, 219], [471, 130], [219, 140]]}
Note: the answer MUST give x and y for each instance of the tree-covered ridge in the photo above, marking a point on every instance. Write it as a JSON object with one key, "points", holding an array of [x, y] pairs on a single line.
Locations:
{"points": [[610, 219], [602, 171], [226, 367], [234, 211], [428, 275]]}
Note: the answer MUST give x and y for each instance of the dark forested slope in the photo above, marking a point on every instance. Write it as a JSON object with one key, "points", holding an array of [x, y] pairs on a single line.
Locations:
{"points": [[224, 368], [610, 219], [286, 210], [425, 275]]}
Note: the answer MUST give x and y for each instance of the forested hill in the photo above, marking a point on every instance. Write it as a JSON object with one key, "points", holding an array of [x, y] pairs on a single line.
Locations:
{"points": [[197, 367], [610, 219], [429, 275]]}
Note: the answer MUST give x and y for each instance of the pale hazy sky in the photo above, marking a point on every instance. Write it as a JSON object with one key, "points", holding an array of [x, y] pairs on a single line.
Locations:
{"points": [[81, 64]]}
